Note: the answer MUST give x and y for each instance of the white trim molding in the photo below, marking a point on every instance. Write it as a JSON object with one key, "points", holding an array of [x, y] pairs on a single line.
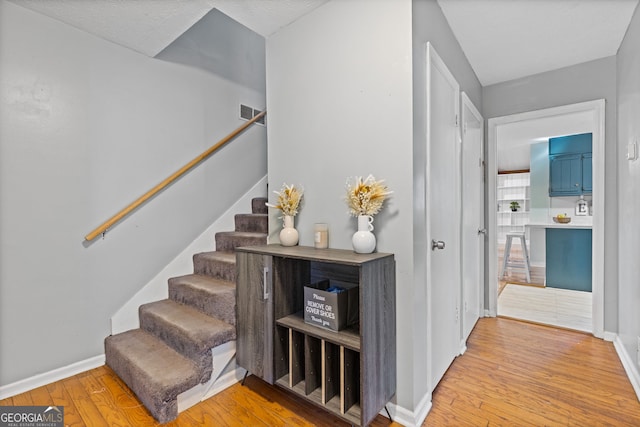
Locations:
{"points": [[597, 108], [45, 378], [409, 418], [628, 365], [127, 317]]}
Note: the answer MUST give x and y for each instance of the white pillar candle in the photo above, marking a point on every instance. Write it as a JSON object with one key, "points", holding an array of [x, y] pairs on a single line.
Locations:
{"points": [[321, 235]]}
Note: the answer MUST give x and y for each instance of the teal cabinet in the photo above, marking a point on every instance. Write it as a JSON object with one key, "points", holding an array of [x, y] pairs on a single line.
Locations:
{"points": [[587, 173], [568, 259], [571, 144], [570, 165], [565, 174]]}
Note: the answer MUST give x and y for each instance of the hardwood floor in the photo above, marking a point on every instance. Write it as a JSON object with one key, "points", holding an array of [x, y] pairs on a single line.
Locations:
{"points": [[517, 373], [99, 398], [513, 373]]}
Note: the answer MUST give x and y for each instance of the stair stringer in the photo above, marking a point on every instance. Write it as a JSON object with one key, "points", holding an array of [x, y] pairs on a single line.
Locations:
{"points": [[225, 374], [126, 318]]}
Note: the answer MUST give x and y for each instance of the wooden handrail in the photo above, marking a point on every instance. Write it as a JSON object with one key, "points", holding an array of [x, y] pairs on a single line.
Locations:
{"points": [[102, 228]]}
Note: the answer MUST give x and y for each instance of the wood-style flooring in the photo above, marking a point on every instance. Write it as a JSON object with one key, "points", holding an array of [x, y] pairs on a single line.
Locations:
{"points": [[513, 373], [522, 374], [99, 398]]}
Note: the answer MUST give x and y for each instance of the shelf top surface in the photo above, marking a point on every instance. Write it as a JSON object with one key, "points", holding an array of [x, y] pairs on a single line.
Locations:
{"points": [[556, 225], [349, 337], [342, 256]]}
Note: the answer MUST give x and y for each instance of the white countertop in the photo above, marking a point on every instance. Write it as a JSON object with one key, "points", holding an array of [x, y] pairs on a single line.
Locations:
{"points": [[571, 225]]}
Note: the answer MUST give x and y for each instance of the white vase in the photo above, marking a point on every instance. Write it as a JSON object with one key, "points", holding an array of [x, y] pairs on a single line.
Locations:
{"points": [[288, 234], [364, 241]]}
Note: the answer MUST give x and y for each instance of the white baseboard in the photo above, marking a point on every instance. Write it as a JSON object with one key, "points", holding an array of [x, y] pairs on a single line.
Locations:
{"points": [[463, 348], [45, 378], [126, 318], [409, 418], [628, 364]]}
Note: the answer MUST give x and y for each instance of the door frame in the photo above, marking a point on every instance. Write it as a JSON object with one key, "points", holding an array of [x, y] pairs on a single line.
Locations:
{"points": [[465, 101], [597, 108]]}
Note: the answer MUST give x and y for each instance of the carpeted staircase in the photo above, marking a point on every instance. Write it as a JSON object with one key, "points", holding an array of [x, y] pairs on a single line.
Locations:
{"points": [[171, 352]]}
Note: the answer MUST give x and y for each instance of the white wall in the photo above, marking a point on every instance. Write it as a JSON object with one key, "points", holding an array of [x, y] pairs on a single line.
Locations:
{"points": [[430, 25], [342, 95], [629, 191], [539, 167], [583, 82], [339, 89], [87, 126]]}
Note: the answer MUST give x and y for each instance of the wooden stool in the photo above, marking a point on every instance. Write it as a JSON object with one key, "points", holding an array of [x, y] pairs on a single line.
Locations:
{"points": [[506, 263]]}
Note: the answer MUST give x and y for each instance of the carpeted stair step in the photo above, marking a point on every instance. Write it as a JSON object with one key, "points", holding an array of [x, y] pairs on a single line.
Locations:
{"points": [[228, 241], [220, 265], [255, 223], [187, 330], [155, 372], [259, 205], [171, 352], [213, 297]]}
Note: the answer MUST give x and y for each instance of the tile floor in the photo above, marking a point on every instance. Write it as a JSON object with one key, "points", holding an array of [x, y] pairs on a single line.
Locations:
{"points": [[551, 306]]}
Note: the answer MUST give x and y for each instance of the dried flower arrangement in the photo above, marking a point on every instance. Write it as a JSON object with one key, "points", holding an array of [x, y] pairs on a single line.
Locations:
{"points": [[366, 196], [289, 199]]}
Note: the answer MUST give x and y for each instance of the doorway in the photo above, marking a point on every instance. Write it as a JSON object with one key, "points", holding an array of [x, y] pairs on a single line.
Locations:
{"points": [[594, 112]]}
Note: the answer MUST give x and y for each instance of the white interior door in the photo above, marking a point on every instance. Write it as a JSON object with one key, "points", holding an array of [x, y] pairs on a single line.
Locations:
{"points": [[473, 228], [443, 215]]}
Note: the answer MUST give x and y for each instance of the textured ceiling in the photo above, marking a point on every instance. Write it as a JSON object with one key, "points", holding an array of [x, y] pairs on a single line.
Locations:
{"points": [[265, 17], [508, 39], [502, 39], [148, 26]]}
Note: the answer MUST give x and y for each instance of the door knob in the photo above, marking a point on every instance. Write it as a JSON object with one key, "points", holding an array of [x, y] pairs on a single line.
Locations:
{"points": [[482, 231], [439, 244]]}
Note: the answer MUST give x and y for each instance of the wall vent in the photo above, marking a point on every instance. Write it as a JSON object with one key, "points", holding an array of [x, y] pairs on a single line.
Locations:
{"points": [[247, 113], [261, 120]]}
